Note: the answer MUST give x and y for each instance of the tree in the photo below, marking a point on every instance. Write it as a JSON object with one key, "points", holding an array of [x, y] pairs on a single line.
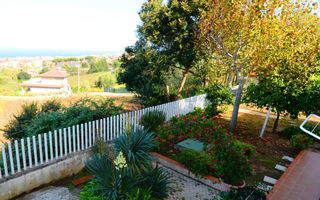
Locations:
{"points": [[98, 66], [242, 35], [169, 28], [23, 76], [44, 70]]}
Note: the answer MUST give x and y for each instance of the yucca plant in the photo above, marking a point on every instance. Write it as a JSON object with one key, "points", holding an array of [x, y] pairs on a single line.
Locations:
{"points": [[158, 180], [153, 119], [135, 147], [113, 183]]}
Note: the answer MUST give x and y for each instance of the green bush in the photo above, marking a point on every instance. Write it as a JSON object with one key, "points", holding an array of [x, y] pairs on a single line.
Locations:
{"points": [[188, 158], [89, 192], [135, 147], [51, 105], [18, 125], [153, 119], [23, 76], [246, 193], [228, 158], [290, 131], [217, 95], [132, 176], [300, 141]]}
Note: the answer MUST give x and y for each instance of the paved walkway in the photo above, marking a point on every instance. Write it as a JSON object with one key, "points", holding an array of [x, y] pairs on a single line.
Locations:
{"points": [[301, 181]]}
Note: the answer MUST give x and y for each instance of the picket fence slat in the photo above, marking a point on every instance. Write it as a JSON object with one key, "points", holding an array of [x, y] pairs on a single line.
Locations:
{"points": [[40, 149], [93, 133], [104, 129], [69, 139], [23, 155], [17, 155], [82, 137], [4, 158], [60, 143], [78, 137], [10, 157], [56, 144], [35, 153], [46, 147]]}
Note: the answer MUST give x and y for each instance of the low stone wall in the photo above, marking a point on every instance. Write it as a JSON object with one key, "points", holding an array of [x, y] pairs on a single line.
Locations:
{"points": [[43, 174]]}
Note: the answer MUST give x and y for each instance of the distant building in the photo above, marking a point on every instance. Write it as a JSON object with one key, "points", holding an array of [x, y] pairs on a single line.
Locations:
{"points": [[53, 81]]}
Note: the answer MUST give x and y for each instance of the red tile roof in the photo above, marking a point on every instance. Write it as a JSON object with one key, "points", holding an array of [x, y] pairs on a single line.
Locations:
{"points": [[57, 72]]}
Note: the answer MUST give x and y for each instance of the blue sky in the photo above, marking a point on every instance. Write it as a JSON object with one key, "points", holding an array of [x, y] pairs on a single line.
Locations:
{"points": [[103, 25]]}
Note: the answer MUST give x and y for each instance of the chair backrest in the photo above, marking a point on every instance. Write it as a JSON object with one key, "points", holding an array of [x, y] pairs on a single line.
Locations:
{"points": [[313, 129]]}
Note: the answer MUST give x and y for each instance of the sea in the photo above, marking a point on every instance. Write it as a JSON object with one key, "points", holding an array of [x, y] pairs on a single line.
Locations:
{"points": [[17, 52]]}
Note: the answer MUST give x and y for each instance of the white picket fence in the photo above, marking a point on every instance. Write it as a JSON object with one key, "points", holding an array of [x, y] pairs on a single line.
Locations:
{"points": [[38, 150]]}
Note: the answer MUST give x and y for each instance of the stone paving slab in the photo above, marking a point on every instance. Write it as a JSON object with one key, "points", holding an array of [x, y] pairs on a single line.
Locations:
{"points": [[189, 189], [50, 193]]}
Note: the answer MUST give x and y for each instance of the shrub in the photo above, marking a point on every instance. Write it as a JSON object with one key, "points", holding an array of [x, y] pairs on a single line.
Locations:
{"points": [[18, 125], [290, 131], [135, 147], [300, 141], [51, 105], [217, 95], [23, 76], [126, 172], [158, 181], [153, 119], [201, 166], [227, 157], [246, 193], [89, 192]]}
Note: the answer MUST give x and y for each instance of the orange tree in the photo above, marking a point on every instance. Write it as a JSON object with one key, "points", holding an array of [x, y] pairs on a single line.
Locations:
{"points": [[245, 36]]}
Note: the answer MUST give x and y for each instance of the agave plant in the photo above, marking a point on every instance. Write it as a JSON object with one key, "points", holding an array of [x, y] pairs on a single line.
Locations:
{"points": [[158, 180], [135, 147], [114, 183]]}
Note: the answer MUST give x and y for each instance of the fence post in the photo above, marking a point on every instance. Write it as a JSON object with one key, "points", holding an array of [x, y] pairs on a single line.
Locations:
{"points": [[69, 138], [17, 155], [86, 135], [56, 144], [46, 147], [35, 150], [40, 149], [78, 137], [90, 142], [23, 155], [10, 157], [82, 139], [65, 141], [60, 143], [4, 158], [104, 129]]}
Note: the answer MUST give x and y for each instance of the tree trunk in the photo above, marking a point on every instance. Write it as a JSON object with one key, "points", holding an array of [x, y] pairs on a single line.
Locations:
{"points": [[275, 125], [235, 111], [168, 93], [185, 75]]}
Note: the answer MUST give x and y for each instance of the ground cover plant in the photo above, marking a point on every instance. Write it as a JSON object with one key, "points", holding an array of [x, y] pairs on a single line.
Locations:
{"points": [[222, 156], [125, 171]]}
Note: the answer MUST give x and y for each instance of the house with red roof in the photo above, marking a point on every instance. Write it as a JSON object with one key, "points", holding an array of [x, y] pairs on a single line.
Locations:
{"points": [[53, 81]]}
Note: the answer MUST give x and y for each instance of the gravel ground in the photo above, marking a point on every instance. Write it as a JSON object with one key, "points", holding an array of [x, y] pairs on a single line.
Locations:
{"points": [[189, 189]]}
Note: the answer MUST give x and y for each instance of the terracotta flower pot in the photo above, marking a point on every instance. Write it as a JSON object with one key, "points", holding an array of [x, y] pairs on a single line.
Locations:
{"points": [[227, 187]]}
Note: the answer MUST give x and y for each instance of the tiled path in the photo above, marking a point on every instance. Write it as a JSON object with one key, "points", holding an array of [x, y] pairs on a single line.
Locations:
{"points": [[301, 181]]}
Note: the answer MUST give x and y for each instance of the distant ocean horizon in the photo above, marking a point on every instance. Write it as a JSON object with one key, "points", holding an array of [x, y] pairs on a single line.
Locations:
{"points": [[14, 53]]}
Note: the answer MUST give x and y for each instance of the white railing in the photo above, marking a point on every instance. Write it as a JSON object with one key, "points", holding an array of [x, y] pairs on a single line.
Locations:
{"points": [[47, 147]]}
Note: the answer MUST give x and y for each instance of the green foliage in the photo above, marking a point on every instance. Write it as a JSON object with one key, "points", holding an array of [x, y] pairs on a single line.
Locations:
{"points": [[44, 70], [51, 105], [52, 116], [72, 70], [89, 192], [23, 76], [291, 131], [135, 146], [90, 58], [98, 66], [158, 181], [126, 172], [201, 166], [114, 183], [18, 125], [107, 81], [140, 194], [217, 95], [246, 193], [227, 157], [247, 149], [300, 141], [152, 119], [56, 60]]}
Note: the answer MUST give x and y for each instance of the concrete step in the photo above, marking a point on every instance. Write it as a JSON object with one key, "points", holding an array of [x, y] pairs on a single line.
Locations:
{"points": [[269, 180], [280, 167], [287, 158]]}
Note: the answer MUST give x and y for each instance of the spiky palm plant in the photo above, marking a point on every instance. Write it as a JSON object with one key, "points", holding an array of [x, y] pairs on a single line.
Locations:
{"points": [[115, 183], [135, 146]]}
